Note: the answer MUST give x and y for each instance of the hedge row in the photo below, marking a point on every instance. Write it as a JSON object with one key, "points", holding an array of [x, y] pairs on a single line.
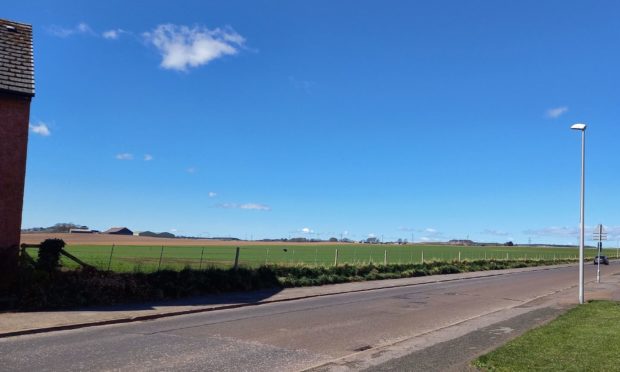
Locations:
{"points": [[39, 289]]}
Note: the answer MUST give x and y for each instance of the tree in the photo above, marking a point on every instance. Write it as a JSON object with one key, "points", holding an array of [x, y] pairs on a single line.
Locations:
{"points": [[509, 244], [333, 240]]}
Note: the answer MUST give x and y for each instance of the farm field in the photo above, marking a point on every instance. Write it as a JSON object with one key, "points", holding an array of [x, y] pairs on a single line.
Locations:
{"points": [[123, 258]]}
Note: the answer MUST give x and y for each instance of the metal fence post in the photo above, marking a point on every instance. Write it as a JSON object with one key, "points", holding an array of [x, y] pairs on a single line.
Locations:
{"points": [[422, 256], [110, 260], [201, 254], [161, 254], [459, 256], [336, 257], [236, 266], [385, 257]]}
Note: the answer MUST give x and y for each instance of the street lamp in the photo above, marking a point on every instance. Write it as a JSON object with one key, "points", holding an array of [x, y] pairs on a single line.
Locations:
{"points": [[581, 127]]}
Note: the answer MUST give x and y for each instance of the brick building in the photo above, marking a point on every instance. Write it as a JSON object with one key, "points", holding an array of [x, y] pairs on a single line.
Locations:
{"points": [[16, 91]]}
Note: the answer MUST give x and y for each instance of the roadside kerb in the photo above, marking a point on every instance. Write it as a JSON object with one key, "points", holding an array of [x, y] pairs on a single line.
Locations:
{"points": [[299, 293]]}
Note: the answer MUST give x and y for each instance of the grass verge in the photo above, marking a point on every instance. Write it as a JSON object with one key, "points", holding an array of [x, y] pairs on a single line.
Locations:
{"points": [[586, 338]]}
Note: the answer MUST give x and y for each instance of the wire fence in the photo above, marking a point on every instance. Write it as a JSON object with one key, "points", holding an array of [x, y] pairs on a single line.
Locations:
{"points": [[124, 258]]}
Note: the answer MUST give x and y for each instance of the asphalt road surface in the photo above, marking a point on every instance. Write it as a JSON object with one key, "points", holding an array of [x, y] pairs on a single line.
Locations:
{"points": [[292, 335]]}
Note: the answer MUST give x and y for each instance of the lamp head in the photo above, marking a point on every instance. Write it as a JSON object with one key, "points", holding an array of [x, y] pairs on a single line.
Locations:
{"points": [[578, 126]]}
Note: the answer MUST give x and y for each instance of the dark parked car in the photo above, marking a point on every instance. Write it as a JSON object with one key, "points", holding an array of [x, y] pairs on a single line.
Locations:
{"points": [[604, 260]]}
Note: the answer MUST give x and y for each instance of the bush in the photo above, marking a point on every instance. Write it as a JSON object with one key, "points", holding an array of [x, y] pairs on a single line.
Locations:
{"points": [[49, 254]]}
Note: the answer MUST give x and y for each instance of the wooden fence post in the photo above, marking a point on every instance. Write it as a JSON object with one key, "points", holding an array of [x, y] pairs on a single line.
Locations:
{"points": [[161, 254], [236, 266], [110, 260]]}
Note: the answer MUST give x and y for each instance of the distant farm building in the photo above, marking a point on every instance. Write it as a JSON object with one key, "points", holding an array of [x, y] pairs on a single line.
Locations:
{"points": [[80, 231], [119, 231]]}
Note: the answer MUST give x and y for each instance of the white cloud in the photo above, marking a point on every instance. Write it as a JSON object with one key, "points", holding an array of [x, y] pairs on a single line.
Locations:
{"points": [[124, 156], [80, 28], [112, 34], [556, 112], [83, 27], [182, 47], [212, 194], [307, 230], [255, 206], [246, 206], [430, 230], [148, 157], [40, 128], [371, 235]]}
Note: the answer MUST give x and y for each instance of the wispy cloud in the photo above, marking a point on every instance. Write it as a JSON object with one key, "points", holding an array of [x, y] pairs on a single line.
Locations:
{"points": [[556, 112], [554, 231], [191, 170], [81, 28], [305, 85], [112, 34], [40, 128], [427, 234], [212, 194], [124, 156], [246, 206], [148, 157], [182, 47], [495, 232], [255, 206], [307, 230], [428, 230], [613, 232]]}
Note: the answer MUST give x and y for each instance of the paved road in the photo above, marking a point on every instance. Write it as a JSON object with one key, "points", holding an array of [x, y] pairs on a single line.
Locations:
{"points": [[287, 336]]}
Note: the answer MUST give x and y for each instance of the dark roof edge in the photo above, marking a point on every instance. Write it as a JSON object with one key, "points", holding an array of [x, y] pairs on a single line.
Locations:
{"points": [[9, 92], [19, 23]]}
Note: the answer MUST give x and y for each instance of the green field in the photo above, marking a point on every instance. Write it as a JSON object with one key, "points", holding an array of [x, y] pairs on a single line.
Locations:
{"points": [[147, 258]]}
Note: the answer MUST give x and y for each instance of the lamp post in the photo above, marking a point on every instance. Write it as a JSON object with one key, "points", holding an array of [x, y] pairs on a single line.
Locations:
{"points": [[581, 127]]}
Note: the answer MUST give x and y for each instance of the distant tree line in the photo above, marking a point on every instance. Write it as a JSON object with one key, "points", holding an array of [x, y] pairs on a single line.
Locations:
{"points": [[62, 227]]}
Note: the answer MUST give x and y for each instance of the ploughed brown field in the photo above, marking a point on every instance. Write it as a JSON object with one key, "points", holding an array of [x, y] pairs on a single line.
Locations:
{"points": [[108, 239]]}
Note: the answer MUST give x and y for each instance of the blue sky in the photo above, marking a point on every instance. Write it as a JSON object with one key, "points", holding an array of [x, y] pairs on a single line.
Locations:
{"points": [[437, 120]]}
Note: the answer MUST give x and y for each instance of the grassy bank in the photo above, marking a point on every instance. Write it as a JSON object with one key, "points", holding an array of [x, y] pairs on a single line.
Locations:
{"points": [[586, 338], [125, 258], [39, 289]]}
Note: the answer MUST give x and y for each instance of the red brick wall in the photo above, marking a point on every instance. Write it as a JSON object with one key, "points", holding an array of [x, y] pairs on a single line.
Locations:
{"points": [[14, 118]]}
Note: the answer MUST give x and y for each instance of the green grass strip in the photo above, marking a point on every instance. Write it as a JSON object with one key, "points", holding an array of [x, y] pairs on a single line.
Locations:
{"points": [[586, 338]]}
